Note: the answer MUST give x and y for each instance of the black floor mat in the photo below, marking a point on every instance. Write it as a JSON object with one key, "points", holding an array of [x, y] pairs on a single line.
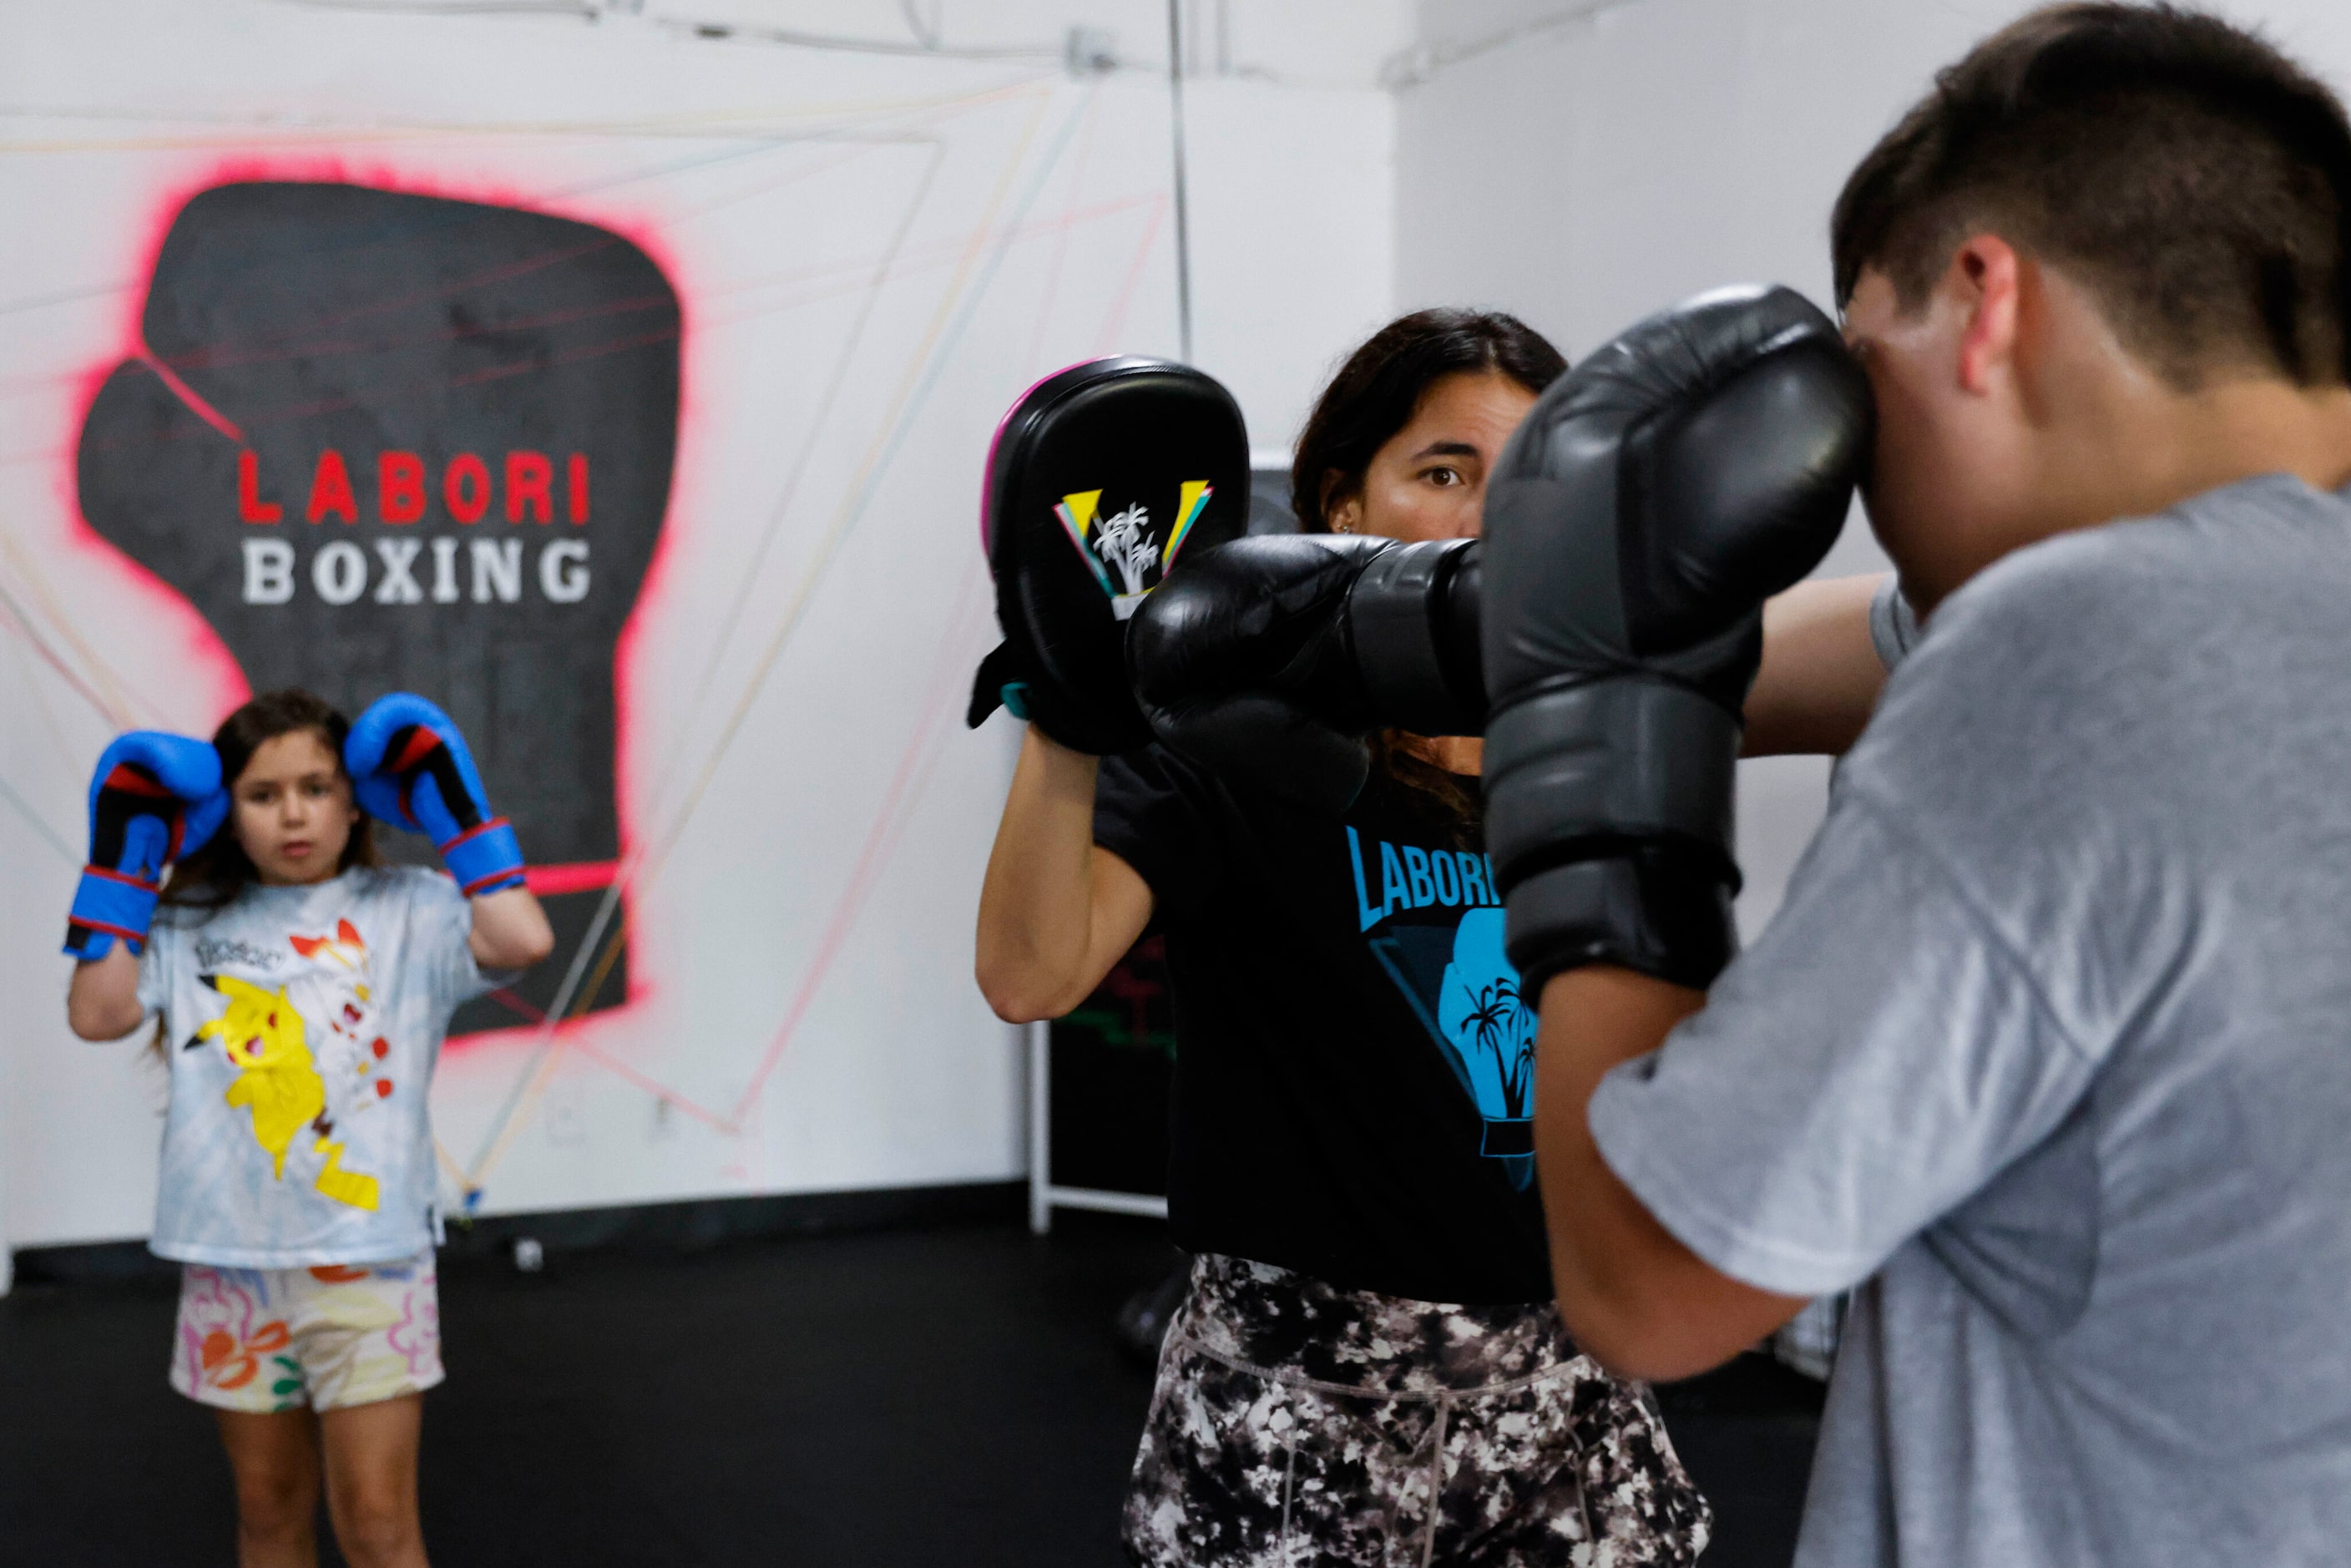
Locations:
{"points": [[913, 1398]]}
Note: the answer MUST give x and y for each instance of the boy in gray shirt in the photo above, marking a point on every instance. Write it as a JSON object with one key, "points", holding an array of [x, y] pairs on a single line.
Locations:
{"points": [[2049, 1049]]}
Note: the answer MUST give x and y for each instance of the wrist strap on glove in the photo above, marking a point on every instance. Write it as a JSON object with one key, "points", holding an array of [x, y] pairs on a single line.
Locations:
{"points": [[1609, 820], [1646, 907], [999, 682], [1412, 620], [108, 904], [485, 859], [1007, 678]]}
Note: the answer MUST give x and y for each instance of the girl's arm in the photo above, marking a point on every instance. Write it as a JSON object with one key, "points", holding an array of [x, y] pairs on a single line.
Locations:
{"points": [[102, 1003], [510, 930], [1057, 909], [1821, 672]]}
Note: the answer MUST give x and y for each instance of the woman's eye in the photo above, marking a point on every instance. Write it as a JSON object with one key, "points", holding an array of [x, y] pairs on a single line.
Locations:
{"points": [[1444, 478]]}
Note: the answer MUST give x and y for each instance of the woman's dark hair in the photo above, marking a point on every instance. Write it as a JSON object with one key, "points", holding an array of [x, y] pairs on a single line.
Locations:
{"points": [[1378, 389], [1375, 395], [214, 875]]}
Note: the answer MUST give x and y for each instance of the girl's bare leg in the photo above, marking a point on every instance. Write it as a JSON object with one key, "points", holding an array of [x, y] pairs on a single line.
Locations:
{"points": [[275, 1460], [371, 1481]]}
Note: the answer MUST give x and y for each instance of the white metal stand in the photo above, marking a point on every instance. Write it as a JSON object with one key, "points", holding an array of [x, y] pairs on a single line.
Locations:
{"points": [[1043, 1196]]}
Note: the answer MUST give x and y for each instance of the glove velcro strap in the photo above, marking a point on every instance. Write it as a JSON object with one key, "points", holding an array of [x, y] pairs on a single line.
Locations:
{"points": [[1653, 908], [994, 685], [1009, 678], [1619, 760], [108, 904], [1608, 816], [1408, 661], [485, 859]]}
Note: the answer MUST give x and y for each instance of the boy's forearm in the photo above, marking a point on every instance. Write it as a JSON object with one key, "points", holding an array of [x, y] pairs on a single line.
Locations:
{"points": [[1820, 674], [1633, 1295]]}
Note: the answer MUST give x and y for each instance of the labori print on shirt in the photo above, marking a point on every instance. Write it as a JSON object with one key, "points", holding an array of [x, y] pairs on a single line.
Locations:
{"points": [[309, 1058], [447, 471], [1433, 920]]}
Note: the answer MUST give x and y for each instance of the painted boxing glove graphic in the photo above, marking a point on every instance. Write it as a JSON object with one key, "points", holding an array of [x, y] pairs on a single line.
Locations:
{"points": [[1100, 478], [1655, 496], [1270, 659], [383, 440], [409, 767], [155, 798]]}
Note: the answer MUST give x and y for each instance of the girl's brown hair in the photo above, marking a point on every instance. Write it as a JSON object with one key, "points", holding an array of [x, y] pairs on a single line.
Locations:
{"points": [[1373, 395], [212, 877]]}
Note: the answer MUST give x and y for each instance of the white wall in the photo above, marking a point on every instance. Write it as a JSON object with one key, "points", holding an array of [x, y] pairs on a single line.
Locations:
{"points": [[1585, 164], [1580, 165], [1035, 232]]}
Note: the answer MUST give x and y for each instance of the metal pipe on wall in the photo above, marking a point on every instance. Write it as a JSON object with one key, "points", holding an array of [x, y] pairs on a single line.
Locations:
{"points": [[1183, 222]]}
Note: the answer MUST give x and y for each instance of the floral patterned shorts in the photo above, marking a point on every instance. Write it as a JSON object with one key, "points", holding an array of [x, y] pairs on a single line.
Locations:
{"points": [[1297, 1425], [275, 1339]]}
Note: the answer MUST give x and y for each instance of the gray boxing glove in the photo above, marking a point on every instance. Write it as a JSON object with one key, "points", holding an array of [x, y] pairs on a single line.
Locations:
{"points": [[1653, 499]]}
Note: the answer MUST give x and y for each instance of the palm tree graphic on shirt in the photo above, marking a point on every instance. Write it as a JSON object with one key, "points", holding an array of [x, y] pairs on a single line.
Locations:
{"points": [[1489, 1030], [1483, 1019]]}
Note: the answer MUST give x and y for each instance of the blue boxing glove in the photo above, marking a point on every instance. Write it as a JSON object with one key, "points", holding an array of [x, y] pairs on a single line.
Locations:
{"points": [[409, 767], [155, 798]]}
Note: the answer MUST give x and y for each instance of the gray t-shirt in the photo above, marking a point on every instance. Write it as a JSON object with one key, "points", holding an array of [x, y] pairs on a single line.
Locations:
{"points": [[1893, 624], [302, 1026], [2051, 1043]]}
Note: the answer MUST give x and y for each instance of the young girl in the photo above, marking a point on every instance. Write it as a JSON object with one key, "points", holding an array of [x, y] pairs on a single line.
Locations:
{"points": [[303, 990]]}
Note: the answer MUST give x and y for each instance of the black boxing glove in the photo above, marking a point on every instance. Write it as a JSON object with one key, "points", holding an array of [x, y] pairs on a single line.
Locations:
{"points": [[1653, 499], [1268, 660], [1100, 477]]}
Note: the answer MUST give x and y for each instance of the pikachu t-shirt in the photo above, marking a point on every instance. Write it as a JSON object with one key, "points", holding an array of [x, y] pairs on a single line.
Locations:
{"points": [[303, 1025]]}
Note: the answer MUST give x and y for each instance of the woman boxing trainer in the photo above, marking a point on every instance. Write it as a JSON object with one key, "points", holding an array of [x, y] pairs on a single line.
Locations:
{"points": [[1368, 1349]]}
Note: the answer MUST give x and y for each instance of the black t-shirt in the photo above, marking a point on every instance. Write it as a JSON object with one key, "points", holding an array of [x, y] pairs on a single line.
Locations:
{"points": [[1354, 1073]]}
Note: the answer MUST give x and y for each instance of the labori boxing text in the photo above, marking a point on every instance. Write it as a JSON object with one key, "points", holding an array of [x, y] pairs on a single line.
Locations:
{"points": [[1411, 877], [493, 566]]}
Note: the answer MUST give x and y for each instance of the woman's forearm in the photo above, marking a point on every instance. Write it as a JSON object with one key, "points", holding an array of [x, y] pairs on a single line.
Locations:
{"points": [[1055, 912]]}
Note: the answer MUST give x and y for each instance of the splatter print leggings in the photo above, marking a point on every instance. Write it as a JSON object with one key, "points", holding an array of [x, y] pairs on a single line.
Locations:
{"points": [[1297, 1425]]}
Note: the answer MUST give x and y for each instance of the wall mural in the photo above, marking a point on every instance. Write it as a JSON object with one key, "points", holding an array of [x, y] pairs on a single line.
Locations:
{"points": [[379, 400], [392, 442]]}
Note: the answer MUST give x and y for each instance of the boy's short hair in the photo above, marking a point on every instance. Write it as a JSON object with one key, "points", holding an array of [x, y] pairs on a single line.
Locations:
{"points": [[2196, 180]]}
